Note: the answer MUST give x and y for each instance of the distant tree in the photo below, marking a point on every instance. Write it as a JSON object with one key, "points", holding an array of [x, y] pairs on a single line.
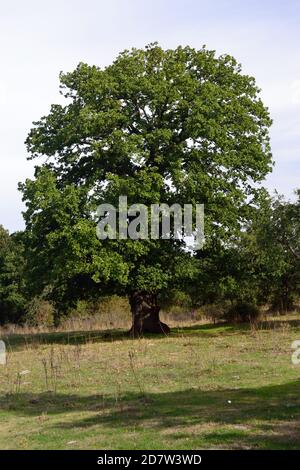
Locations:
{"points": [[285, 225], [279, 239], [230, 272], [157, 126], [271, 248], [12, 283]]}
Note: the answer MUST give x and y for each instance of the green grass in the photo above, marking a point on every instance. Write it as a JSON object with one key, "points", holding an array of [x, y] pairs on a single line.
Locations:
{"points": [[205, 386]]}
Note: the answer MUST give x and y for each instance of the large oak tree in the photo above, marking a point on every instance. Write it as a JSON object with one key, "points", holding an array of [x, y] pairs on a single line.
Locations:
{"points": [[159, 126]]}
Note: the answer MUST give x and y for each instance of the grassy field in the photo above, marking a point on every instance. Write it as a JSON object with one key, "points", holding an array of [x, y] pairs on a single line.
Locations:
{"points": [[205, 386]]}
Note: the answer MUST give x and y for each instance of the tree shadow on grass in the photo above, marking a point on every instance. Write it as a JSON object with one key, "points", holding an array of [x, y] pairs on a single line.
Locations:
{"points": [[265, 417], [23, 341]]}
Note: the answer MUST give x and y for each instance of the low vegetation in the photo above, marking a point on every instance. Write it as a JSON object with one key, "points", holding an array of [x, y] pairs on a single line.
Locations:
{"points": [[204, 386]]}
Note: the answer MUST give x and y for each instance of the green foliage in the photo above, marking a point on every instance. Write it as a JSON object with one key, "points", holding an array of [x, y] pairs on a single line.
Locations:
{"points": [[105, 307], [65, 260], [157, 126], [261, 264], [243, 312], [39, 312], [272, 243], [12, 298]]}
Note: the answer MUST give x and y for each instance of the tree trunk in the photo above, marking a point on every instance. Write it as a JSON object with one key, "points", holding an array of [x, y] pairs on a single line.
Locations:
{"points": [[145, 314]]}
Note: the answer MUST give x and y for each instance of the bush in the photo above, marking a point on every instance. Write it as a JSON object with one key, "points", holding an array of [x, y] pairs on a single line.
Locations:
{"points": [[105, 306], [243, 312], [174, 298], [213, 312], [105, 313], [39, 312]]}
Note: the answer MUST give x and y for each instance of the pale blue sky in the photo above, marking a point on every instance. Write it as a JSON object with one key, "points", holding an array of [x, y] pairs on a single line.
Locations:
{"points": [[39, 38]]}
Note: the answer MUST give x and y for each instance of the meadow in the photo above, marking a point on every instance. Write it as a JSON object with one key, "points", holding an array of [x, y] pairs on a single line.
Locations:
{"points": [[205, 386]]}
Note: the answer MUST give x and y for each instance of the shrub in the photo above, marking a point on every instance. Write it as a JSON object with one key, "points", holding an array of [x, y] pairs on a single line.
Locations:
{"points": [[39, 312], [243, 312], [213, 312]]}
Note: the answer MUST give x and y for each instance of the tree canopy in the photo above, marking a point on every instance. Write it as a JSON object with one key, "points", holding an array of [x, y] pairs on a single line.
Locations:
{"points": [[12, 296], [159, 126]]}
